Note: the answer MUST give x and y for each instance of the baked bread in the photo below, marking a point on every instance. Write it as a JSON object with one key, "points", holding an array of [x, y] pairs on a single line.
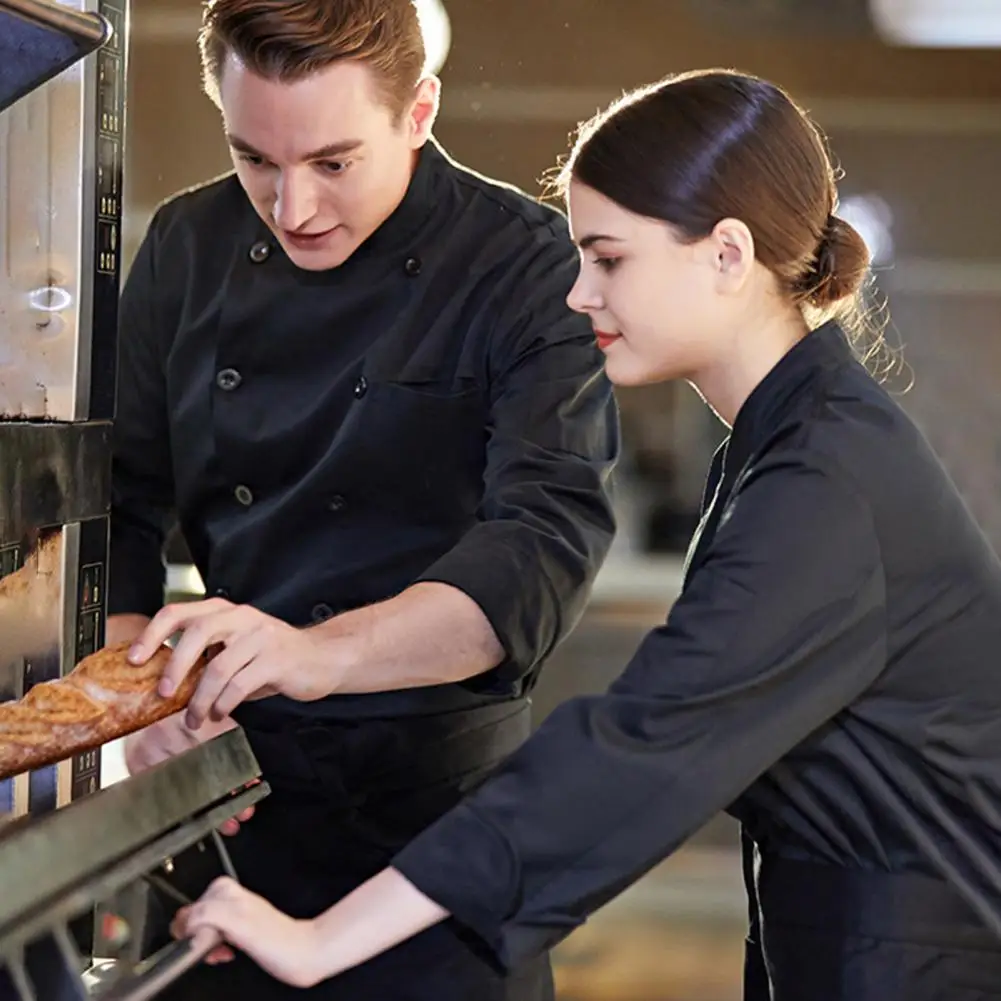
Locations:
{"points": [[103, 698]]}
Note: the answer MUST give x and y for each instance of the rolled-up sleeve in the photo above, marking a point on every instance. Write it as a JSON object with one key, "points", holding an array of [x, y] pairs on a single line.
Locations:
{"points": [[142, 491], [546, 522], [778, 630]]}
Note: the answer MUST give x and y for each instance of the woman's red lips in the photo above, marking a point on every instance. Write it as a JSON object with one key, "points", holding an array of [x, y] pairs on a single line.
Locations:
{"points": [[604, 338]]}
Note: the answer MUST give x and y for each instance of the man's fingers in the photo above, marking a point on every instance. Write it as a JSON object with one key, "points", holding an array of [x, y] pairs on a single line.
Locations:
{"points": [[217, 676], [168, 621], [197, 637], [243, 686]]}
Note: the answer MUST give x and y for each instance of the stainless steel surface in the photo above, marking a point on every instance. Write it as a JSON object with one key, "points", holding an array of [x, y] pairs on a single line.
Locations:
{"points": [[21, 983], [162, 969], [62, 108], [45, 152], [136, 867], [54, 500], [60, 207], [52, 474], [57, 865], [82, 24]]}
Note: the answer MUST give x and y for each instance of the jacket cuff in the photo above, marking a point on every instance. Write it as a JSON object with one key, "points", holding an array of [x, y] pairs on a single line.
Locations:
{"points": [[500, 584], [466, 866]]}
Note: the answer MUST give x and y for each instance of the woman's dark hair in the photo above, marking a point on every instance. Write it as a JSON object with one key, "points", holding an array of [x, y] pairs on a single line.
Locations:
{"points": [[709, 145]]}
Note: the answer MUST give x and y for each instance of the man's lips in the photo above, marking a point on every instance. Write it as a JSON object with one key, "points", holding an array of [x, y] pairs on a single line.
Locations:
{"points": [[306, 239]]}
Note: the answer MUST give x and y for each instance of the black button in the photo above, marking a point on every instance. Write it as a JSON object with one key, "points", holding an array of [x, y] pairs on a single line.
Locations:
{"points": [[322, 612], [361, 387], [260, 251], [228, 379], [413, 266], [221, 592], [244, 495], [337, 503]]}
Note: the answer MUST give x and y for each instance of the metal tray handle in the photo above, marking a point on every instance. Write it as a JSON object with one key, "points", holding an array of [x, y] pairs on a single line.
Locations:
{"points": [[161, 969], [79, 24]]}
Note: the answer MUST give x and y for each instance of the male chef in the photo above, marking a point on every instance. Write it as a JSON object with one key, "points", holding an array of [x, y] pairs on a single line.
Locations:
{"points": [[348, 370]]}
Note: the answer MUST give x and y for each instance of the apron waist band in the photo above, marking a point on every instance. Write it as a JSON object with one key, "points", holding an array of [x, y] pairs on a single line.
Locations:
{"points": [[902, 906], [347, 759]]}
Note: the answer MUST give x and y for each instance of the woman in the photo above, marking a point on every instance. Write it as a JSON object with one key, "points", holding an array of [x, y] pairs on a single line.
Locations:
{"points": [[827, 673]]}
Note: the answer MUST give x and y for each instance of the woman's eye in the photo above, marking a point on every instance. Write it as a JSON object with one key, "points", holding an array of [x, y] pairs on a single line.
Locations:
{"points": [[607, 263]]}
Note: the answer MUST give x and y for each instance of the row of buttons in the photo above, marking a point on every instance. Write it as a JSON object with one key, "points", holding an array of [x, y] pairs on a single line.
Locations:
{"points": [[229, 379], [261, 251], [245, 497], [321, 612]]}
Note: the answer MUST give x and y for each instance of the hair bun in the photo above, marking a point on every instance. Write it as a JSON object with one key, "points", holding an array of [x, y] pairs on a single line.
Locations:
{"points": [[840, 266]]}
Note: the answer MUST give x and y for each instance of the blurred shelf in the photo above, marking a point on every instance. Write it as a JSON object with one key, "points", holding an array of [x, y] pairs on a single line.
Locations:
{"points": [[624, 578]]}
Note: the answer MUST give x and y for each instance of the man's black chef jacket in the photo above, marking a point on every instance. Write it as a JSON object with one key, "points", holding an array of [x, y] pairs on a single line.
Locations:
{"points": [[829, 673], [429, 411]]}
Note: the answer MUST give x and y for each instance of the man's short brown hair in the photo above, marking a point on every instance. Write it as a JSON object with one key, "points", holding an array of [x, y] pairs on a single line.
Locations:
{"points": [[288, 40]]}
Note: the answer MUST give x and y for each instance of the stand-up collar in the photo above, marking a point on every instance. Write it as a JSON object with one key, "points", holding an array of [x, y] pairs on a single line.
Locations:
{"points": [[398, 233], [763, 411]]}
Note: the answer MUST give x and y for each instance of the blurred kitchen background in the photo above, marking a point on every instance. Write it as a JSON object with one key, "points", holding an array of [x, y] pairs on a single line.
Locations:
{"points": [[909, 93]]}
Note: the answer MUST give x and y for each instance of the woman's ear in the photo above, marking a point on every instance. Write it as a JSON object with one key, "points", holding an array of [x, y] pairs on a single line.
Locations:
{"points": [[732, 248]]}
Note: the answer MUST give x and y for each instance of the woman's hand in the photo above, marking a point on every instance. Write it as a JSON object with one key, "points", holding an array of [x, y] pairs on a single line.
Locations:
{"points": [[378, 915], [286, 948]]}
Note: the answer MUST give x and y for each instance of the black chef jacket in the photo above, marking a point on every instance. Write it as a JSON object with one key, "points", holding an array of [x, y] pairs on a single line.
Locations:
{"points": [[429, 411], [829, 673]]}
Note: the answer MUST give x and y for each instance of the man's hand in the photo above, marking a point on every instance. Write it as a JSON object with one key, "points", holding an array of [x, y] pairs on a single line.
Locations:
{"points": [[163, 740], [167, 739], [288, 949], [260, 656]]}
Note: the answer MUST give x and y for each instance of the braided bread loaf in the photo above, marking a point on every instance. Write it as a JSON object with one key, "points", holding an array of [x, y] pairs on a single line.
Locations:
{"points": [[103, 698]]}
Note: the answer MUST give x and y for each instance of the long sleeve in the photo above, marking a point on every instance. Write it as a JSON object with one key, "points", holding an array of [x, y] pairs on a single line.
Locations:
{"points": [[780, 627], [545, 522], [142, 491]]}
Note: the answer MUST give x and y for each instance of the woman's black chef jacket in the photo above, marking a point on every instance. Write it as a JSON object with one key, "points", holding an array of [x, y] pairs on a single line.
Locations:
{"points": [[829, 674], [429, 411]]}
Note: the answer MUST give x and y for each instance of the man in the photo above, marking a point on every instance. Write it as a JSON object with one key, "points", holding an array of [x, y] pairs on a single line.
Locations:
{"points": [[350, 370]]}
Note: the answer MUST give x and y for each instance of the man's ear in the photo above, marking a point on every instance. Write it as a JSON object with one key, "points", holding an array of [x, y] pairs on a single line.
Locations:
{"points": [[423, 111]]}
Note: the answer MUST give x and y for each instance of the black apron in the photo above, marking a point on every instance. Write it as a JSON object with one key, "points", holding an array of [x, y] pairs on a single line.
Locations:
{"points": [[346, 796], [831, 934]]}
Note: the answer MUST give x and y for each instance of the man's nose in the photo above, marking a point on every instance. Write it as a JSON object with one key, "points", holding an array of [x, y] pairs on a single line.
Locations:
{"points": [[295, 203]]}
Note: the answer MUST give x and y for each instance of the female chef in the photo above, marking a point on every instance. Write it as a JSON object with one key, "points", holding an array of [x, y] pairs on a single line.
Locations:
{"points": [[828, 674]]}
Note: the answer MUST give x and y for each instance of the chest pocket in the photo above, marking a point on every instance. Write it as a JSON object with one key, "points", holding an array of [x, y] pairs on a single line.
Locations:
{"points": [[423, 450]]}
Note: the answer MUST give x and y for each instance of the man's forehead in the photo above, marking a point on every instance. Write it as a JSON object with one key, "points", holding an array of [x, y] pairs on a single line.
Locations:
{"points": [[344, 90], [322, 116]]}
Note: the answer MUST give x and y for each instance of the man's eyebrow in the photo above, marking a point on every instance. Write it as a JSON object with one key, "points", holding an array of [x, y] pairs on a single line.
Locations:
{"points": [[324, 153]]}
